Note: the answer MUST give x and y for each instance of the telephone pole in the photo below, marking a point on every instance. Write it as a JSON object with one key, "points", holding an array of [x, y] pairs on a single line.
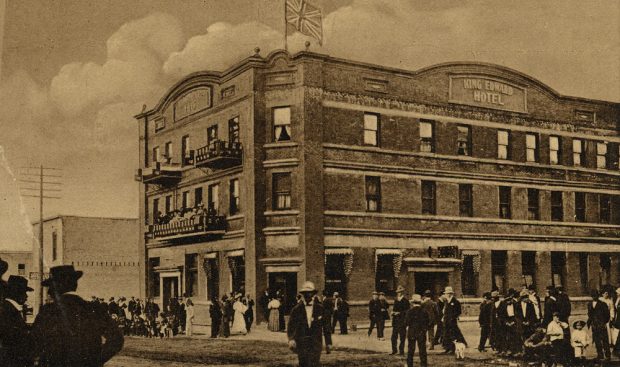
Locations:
{"points": [[47, 185]]}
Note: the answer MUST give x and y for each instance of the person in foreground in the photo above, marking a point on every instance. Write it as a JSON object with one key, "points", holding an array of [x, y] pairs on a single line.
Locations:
{"points": [[15, 342], [70, 332], [306, 328], [416, 322]]}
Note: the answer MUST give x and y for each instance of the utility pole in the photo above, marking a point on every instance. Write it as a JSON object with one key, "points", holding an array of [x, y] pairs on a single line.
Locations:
{"points": [[46, 180]]}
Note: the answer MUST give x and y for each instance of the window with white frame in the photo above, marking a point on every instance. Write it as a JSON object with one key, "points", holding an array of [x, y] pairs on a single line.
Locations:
{"points": [[213, 197], [554, 150], [168, 152], [578, 152], [282, 123], [427, 140], [371, 129], [281, 191], [503, 143], [601, 155], [531, 146], [463, 140]]}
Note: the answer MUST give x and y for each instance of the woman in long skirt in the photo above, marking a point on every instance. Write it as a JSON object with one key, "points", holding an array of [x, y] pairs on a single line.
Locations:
{"points": [[238, 326], [274, 315], [189, 317]]}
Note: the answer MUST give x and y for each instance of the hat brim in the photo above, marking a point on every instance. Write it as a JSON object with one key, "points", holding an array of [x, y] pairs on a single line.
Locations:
{"points": [[75, 275], [307, 290]]}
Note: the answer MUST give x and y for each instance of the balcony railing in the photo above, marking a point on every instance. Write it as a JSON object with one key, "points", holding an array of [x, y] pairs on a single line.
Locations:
{"points": [[159, 175], [199, 225], [219, 154]]}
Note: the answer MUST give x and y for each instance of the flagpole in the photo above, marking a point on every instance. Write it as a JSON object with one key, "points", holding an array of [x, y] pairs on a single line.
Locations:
{"points": [[285, 29]]}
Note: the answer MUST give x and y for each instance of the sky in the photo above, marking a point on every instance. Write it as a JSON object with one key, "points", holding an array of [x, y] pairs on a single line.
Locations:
{"points": [[74, 72]]}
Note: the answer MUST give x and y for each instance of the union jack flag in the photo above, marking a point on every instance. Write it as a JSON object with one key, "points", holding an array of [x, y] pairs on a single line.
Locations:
{"points": [[306, 18]]}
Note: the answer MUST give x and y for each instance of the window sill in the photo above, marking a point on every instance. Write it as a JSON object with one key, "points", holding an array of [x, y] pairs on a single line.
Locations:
{"points": [[283, 144], [281, 212]]}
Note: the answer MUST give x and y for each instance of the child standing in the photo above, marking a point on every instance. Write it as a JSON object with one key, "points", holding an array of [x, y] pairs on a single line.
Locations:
{"points": [[579, 340]]}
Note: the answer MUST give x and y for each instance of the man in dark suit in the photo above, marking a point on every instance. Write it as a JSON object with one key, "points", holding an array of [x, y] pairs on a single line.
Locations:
{"points": [[484, 320], [15, 341], [70, 332], [263, 301], [439, 332], [4, 266], [341, 314], [430, 307], [526, 315], [564, 306], [307, 327], [551, 305], [401, 305], [328, 305], [374, 313], [598, 317], [451, 313], [227, 314], [416, 323], [508, 318]]}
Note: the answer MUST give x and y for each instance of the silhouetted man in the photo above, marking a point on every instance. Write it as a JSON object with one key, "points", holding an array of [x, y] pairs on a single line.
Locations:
{"points": [[416, 323], [15, 341], [401, 305]]}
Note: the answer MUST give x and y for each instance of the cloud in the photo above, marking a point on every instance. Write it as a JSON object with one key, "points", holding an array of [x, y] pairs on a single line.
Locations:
{"points": [[131, 72]]}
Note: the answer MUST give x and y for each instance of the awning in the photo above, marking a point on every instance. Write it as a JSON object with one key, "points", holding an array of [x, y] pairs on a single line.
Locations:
{"points": [[210, 255], [470, 253], [234, 253], [388, 251], [338, 251]]}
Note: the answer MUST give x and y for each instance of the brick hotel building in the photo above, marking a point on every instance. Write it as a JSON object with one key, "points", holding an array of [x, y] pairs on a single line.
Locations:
{"points": [[362, 177]]}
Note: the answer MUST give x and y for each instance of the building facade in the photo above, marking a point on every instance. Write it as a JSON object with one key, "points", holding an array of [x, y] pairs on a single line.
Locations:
{"points": [[105, 249], [360, 177], [20, 263]]}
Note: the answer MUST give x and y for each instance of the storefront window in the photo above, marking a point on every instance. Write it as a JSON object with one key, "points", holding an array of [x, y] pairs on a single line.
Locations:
{"points": [[335, 277], [498, 270], [212, 273], [191, 275], [385, 280]]}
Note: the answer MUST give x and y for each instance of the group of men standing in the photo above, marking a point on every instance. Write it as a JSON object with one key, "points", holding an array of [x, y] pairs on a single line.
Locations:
{"points": [[67, 332]]}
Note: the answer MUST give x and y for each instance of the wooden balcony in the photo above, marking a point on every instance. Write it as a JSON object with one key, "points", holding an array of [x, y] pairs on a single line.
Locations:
{"points": [[219, 154], [159, 175], [199, 225]]}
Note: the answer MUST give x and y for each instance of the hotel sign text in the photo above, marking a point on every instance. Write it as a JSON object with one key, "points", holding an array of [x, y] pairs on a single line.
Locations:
{"points": [[482, 91]]}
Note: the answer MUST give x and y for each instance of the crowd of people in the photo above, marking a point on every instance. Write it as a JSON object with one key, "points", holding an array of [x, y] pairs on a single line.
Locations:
{"points": [[178, 215], [232, 314]]}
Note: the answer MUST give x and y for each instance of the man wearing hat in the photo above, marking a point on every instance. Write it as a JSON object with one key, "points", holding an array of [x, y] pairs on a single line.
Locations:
{"points": [[416, 323], [598, 317], [485, 317], [70, 331], [374, 313], [432, 310], [15, 342], [341, 313], [399, 329], [551, 304], [526, 315], [307, 327], [384, 315], [4, 266], [497, 328], [451, 313]]}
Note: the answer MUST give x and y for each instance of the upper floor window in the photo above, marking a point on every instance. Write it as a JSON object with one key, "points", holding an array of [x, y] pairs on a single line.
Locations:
{"points": [[505, 202], [601, 155], [428, 197], [604, 208], [211, 134], [185, 200], [168, 204], [234, 196], [213, 198], [233, 130], [531, 146], [465, 200], [54, 246], [557, 206], [503, 144], [281, 191], [554, 150], [373, 194], [371, 129], [168, 153], [533, 204], [578, 152], [21, 269], [282, 123], [156, 213], [186, 150], [197, 196], [464, 140], [580, 207], [156, 154], [427, 139]]}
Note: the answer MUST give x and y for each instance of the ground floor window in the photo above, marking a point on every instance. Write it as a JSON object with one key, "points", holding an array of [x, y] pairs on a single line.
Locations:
{"points": [[386, 273], [335, 274], [583, 272], [212, 273], [153, 277], [191, 275], [469, 274], [558, 265], [605, 269], [237, 271], [498, 270], [528, 268]]}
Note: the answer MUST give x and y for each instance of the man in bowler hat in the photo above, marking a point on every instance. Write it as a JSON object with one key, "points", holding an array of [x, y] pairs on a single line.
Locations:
{"points": [[399, 330], [416, 323], [15, 341], [307, 327], [70, 331]]}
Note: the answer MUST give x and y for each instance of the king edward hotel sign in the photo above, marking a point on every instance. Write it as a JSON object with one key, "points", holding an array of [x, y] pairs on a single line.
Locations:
{"points": [[483, 91]]}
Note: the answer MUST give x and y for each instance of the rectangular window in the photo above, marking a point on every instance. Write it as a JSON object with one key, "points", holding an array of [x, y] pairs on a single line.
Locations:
{"points": [[233, 130], [580, 207], [21, 269], [335, 276], [528, 267], [213, 278], [211, 134], [197, 196], [373, 194], [601, 155], [554, 150], [583, 272], [186, 150], [156, 155], [213, 197], [156, 212], [503, 144], [578, 152], [237, 267], [427, 140], [282, 123], [281, 191], [498, 270], [191, 275], [604, 214], [428, 197], [531, 145], [169, 204], [153, 277], [469, 275], [557, 206], [168, 152], [371, 129], [505, 202], [465, 200], [54, 246], [558, 264], [463, 140], [185, 200], [385, 281], [234, 196], [533, 204]]}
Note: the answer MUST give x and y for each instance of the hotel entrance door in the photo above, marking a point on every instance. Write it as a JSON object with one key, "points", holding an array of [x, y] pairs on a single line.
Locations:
{"points": [[170, 289], [286, 283], [433, 281]]}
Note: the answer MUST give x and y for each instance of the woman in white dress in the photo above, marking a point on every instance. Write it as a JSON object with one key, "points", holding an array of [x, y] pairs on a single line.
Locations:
{"points": [[238, 326], [189, 317]]}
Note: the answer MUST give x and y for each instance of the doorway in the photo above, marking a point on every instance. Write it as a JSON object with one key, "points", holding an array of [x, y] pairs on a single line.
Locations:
{"points": [[433, 281], [286, 284], [170, 287]]}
